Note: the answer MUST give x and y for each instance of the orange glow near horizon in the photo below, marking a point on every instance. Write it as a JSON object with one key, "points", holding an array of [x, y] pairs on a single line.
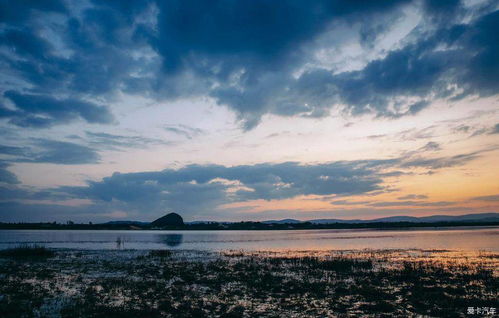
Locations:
{"points": [[453, 191]]}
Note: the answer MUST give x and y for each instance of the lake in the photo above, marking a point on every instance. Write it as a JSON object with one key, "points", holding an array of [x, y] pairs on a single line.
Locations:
{"points": [[467, 239]]}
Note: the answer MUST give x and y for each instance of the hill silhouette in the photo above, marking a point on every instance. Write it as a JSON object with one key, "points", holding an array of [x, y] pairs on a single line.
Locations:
{"points": [[171, 219]]}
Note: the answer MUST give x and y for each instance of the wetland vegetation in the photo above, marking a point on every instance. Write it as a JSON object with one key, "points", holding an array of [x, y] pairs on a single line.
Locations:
{"points": [[133, 283]]}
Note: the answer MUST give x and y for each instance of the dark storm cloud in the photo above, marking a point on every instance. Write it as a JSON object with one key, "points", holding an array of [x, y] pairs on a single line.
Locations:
{"points": [[57, 54], [492, 198], [473, 130], [12, 193], [347, 202], [245, 54], [185, 131], [197, 189], [84, 151], [60, 152], [17, 192], [410, 203], [385, 86], [14, 12], [44, 111], [439, 162], [13, 150], [413, 197], [115, 142], [430, 146], [235, 34], [51, 151], [462, 129], [5, 175], [415, 134], [481, 130], [213, 185], [495, 129], [418, 70]]}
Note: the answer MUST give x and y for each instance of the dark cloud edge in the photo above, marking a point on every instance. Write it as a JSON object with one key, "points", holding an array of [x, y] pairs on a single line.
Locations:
{"points": [[400, 84], [200, 188]]}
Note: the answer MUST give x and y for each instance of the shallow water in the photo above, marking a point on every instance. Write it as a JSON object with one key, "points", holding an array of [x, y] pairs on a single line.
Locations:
{"points": [[465, 239]]}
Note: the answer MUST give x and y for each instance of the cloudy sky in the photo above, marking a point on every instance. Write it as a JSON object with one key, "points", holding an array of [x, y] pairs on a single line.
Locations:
{"points": [[247, 110]]}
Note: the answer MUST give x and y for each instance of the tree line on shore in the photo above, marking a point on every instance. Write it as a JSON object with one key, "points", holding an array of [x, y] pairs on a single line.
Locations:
{"points": [[245, 225]]}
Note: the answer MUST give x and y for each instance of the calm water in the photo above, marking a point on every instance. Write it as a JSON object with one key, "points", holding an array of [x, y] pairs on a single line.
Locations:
{"points": [[468, 239]]}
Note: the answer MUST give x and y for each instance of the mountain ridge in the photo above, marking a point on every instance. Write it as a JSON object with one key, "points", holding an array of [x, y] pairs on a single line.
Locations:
{"points": [[481, 217]]}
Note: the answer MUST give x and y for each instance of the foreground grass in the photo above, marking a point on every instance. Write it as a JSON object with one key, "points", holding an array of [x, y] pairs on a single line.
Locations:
{"points": [[195, 284], [27, 251]]}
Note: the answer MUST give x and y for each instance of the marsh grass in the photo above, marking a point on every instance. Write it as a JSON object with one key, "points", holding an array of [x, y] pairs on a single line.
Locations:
{"points": [[266, 284], [160, 253], [27, 251]]}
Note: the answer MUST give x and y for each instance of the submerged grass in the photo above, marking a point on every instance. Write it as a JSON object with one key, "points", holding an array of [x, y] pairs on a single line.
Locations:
{"points": [[187, 284]]}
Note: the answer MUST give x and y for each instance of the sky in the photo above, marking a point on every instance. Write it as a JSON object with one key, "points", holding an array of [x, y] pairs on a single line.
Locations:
{"points": [[236, 110]]}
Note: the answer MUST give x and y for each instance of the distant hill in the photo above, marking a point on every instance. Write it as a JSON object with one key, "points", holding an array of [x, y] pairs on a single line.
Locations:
{"points": [[328, 221], [466, 217], [174, 222], [284, 221], [171, 219], [127, 223], [481, 217], [208, 222]]}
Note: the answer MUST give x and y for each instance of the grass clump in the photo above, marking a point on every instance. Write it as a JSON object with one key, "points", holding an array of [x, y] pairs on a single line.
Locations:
{"points": [[339, 264], [160, 253], [28, 251]]}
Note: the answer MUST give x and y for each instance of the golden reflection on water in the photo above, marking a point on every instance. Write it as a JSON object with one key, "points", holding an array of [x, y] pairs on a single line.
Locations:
{"points": [[327, 240]]}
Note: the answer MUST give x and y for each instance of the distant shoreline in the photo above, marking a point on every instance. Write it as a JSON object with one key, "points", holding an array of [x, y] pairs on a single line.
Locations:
{"points": [[243, 226]]}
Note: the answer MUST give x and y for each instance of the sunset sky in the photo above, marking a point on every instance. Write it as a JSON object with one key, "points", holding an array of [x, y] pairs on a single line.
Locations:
{"points": [[247, 110]]}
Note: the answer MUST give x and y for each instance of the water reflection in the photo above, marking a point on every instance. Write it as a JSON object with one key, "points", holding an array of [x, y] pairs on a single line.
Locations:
{"points": [[171, 240], [471, 239]]}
